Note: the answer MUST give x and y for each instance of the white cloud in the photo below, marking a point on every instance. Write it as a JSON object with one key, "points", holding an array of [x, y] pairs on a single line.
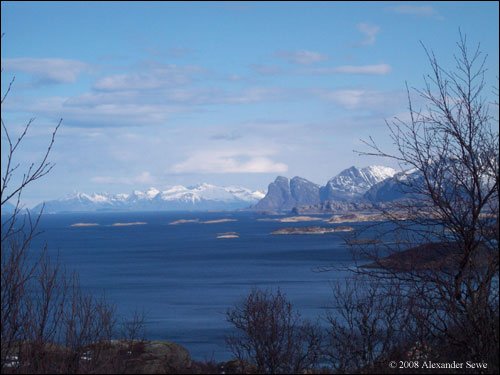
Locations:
{"points": [[350, 99], [422, 10], [253, 95], [370, 32], [141, 108], [379, 69], [47, 70], [153, 76], [361, 99], [302, 57], [143, 178], [231, 161], [88, 111]]}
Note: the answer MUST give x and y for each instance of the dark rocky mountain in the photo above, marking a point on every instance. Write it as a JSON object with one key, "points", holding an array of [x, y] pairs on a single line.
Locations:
{"points": [[303, 191], [283, 194], [348, 186]]}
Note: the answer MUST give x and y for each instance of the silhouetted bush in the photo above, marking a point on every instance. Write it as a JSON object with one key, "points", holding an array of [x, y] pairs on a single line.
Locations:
{"points": [[271, 336]]}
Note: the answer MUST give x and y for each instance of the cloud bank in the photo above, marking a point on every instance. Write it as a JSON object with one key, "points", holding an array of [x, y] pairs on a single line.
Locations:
{"points": [[422, 11], [230, 161], [48, 70]]}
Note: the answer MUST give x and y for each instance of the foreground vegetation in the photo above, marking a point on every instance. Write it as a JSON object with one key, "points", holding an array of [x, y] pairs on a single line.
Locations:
{"points": [[401, 314]]}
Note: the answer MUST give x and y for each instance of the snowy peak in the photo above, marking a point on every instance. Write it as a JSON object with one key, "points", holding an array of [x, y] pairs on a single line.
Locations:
{"points": [[94, 197], [348, 185], [245, 194], [200, 197], [353, 182], [362, 176], [211, 192]]}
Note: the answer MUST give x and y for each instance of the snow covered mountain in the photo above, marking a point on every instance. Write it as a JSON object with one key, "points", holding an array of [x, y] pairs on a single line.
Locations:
{"points": [[348, 186], [392, 189], [200, 197], [353, 182]]}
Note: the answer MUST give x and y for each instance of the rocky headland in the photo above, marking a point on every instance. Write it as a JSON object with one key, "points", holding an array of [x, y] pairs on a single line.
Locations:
{"points": [[432, 256]]}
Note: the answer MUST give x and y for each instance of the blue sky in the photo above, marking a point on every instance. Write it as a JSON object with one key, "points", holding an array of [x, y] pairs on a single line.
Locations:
{"points": [[159, 94]]}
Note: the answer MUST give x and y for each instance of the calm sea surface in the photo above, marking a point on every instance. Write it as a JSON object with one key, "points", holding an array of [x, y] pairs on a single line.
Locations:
{"points": [[184, 277]]}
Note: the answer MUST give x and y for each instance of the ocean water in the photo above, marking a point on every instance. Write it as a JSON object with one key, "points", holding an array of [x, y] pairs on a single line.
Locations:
{"points": [[184, 277]]}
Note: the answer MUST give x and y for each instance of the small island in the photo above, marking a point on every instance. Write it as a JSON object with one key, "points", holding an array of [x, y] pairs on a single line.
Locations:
{"points": [[183, 221], [312, 230], [355, 218], [217, 221], [85, 225], [293, 219], [128, 224], [197, 221], [228, 235]]}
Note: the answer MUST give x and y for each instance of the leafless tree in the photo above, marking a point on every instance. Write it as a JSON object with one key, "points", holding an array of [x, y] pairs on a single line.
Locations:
{"points": [[369, 322], [441, 247], [272, 335], [48, 324]]}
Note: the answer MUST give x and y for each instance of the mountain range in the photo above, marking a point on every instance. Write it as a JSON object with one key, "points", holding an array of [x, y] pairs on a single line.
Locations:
{"points": [[352, 189], [200, 197], [350, 185]]}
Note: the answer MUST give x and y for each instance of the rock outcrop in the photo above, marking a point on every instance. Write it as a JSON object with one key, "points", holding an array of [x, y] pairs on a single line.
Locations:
{"points": [[283, 194], [303, 191]]}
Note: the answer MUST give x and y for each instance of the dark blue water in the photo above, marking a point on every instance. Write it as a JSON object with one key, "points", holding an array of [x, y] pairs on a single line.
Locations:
{"points": [[184, 277]]}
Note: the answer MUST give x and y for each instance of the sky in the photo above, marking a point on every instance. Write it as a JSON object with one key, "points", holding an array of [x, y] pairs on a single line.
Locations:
{"points": [[229, 93]]}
